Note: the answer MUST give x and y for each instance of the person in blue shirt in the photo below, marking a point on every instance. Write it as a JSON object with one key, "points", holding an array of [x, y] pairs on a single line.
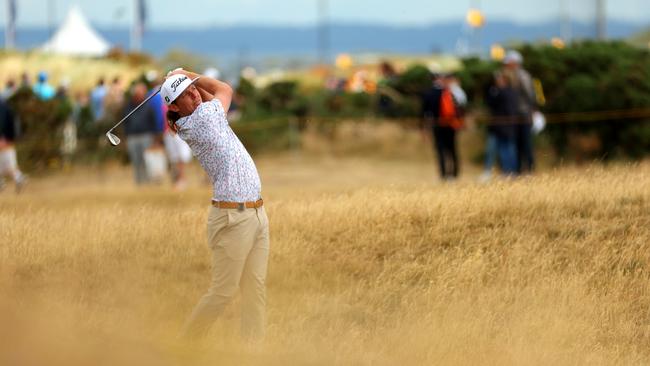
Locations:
{"points": [[157, 105], [42, 89], [97, 97]]}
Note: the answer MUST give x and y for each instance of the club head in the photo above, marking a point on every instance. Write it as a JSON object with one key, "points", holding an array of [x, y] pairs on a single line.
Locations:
{"points": [[114, 140]]}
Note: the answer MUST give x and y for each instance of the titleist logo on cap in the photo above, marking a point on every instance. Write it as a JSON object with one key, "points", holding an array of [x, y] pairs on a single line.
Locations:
{"points": [[178, 82]]}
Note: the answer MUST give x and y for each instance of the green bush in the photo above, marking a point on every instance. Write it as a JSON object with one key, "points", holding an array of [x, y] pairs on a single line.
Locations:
{"points": [[414, 80], [41, 122], [277, 97]]}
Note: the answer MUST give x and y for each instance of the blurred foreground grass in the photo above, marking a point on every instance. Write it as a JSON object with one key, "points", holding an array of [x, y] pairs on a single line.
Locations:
{"points": [[372, 264]]}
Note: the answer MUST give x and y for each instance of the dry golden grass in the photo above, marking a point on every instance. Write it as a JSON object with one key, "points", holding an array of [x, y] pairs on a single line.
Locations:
{"points": [[371, 265]]}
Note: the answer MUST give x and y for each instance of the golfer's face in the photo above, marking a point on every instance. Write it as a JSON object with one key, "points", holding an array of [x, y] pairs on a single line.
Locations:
{"points": [[188, 101]]}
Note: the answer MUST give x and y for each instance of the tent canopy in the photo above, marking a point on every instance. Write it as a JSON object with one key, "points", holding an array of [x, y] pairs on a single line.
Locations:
{"points": [[76, 37]]}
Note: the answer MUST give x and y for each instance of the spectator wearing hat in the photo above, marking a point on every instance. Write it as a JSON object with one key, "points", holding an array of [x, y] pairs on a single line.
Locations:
{"points": [[526, 103], [42, 89]]}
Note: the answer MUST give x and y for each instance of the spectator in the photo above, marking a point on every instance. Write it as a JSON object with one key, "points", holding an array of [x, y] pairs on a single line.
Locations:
{"points": [[24, 81], [97, 97], [156, 102], [62, 90], [460, 97], [139, 129], [502, 128], [82, 115], [114, 101], [8, 135], [179, 155], [442, 112], [9, 90], [42, 89], [385, 88], [67, 111], [522, 84], [155, 157]]}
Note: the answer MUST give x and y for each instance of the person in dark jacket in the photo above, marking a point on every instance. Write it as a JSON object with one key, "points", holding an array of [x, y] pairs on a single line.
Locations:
{"points": [[502, 100], [8, 135], [139, 129], [442, 113]]}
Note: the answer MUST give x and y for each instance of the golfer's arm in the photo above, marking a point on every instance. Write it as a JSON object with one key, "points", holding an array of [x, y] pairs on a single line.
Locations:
{"points": [[211, 88]]}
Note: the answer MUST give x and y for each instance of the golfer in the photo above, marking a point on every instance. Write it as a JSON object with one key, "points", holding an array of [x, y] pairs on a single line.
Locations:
{"points": [[238, 229]]}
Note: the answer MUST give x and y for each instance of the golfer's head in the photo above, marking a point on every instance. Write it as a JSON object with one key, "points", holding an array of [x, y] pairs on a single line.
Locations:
{"points": [[180, 94]]}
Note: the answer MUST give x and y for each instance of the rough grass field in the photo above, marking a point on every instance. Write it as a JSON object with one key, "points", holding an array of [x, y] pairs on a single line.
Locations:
{"points": [[372, 264]]}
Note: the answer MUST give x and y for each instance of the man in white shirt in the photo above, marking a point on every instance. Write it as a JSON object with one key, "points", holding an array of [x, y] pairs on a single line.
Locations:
{"points": [[238, 228]]}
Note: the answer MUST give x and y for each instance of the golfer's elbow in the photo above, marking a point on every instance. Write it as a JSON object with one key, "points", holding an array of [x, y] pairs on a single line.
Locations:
{"points": [[225, 94], [226, 89]]}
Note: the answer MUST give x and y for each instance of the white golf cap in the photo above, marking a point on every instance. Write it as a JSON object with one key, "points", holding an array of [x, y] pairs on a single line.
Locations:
{"points": [[174, 86]]}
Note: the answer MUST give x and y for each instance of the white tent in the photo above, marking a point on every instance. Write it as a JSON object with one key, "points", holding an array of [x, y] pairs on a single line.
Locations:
{"points": [[76, 37]]}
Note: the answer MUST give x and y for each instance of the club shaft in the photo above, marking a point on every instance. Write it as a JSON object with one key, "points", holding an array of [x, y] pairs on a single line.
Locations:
{"points": [[135, 109]]}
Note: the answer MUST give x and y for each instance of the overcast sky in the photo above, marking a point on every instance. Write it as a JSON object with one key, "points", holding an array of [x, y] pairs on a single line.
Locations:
{"points": [[186, 13]]}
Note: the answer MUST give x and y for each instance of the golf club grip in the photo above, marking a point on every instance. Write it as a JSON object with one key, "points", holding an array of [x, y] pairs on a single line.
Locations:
{"points": [[135, 109]]}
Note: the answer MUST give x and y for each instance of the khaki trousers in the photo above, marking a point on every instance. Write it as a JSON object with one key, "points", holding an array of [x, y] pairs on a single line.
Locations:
{"points": [[239, 241]]}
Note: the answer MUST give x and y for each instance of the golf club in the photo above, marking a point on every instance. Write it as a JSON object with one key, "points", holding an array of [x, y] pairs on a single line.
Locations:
{"points": [[112, 138]]}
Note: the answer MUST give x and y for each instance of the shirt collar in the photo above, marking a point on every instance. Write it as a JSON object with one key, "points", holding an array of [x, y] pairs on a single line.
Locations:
{"points": [[181, 121]]}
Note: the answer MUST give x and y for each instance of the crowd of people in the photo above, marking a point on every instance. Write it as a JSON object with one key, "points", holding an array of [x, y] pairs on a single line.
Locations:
{"points": [[153, 149], [10, 127], [512, 103], [150, 144]]}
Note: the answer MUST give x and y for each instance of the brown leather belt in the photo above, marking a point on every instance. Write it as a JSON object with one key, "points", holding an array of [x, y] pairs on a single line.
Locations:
{"points": [[238, 205]]}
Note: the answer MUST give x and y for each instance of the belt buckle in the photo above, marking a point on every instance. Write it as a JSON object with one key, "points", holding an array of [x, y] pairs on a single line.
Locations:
{"points": [[241, 206]]}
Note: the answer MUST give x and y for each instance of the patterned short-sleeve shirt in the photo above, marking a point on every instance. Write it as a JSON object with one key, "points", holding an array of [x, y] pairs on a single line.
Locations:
{"points": [[221, 154]]}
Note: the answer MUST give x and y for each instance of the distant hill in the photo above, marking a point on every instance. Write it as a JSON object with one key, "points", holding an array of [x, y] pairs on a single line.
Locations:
{"points": [[250, 43]]}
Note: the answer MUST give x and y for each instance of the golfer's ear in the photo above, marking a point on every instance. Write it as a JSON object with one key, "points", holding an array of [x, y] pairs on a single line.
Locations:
{"points": [[173, 107]]}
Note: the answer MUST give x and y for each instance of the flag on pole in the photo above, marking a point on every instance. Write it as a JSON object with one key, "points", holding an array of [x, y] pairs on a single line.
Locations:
{"points": [[139, 26], [10, 25], [142, 16]]}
